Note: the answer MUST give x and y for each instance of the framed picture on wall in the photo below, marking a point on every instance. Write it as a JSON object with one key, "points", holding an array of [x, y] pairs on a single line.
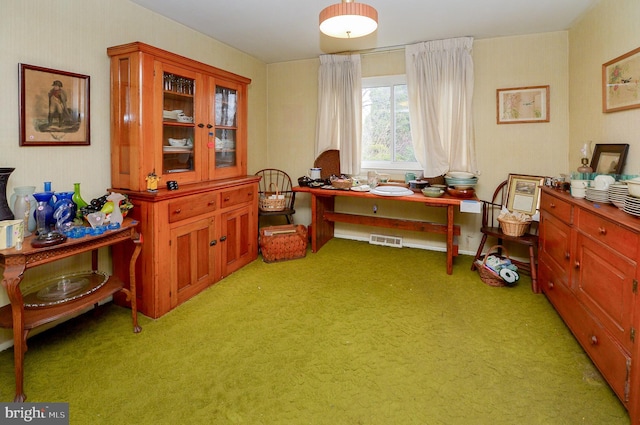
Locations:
{"points": [[609, 158], [620, 82], [54, 107], [523, 105]]}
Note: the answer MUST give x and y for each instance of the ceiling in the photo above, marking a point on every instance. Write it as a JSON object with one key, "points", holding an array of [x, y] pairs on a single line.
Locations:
{"points": [[285, 30]]}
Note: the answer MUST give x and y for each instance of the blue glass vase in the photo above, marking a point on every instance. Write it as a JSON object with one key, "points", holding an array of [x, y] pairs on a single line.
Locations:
{"points": [[43, 213], [64, 200]]}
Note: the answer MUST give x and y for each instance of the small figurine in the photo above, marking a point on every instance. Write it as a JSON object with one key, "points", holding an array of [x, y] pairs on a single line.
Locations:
{"points": [[152, 181]]}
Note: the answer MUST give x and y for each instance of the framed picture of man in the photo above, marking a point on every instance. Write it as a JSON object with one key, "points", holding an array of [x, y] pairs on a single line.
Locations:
{"points": [[54, 107]]}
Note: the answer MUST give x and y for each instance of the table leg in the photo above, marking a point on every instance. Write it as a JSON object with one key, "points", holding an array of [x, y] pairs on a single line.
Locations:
{"points": [[321, 229], [11, 278], [450, 248]]}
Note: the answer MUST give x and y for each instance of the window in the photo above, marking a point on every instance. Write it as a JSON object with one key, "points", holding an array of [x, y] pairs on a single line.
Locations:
{"points": [[386, 134]]}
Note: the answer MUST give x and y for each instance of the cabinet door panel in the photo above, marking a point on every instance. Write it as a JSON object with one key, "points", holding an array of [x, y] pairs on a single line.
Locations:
{"points": [[603, 282], [554, 244], [239, 246], [192, 259]]}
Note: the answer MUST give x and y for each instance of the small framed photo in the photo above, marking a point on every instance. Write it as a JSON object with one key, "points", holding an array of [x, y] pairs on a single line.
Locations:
{"points": [[620, 82], [523, 105], [523, 193], [54, 107], [609, 158]]}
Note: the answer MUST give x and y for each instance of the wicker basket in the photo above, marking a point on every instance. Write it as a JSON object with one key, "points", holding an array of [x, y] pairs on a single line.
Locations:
{"points": [[279, 243], [342, 183], [272, 201], [487, 275], [513, 227]]}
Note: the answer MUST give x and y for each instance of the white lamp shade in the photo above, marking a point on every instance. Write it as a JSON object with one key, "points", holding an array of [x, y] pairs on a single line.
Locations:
{"points": [[348, 20]]}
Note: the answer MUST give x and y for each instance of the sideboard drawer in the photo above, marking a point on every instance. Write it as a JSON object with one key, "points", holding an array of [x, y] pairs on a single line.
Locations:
{"points": [[557, 207], [191, 206], [608, 232], [232, 197]]}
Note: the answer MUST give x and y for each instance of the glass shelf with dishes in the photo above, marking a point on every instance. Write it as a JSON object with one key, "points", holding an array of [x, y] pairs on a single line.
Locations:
{"points": [[226, 127], [177, 123]]}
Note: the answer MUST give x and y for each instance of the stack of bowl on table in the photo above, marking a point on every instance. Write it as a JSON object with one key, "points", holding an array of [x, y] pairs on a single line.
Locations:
{"points": [[632, 200], [461, 184]]}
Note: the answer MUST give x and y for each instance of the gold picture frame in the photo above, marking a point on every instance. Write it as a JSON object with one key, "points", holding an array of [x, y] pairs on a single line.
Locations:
{"points": [[620, 82], [523, 193], [54, 107], [523, 105]]}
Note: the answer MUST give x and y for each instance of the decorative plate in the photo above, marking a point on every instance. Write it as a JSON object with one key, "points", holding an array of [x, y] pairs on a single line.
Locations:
{"points": [[392, 191]]}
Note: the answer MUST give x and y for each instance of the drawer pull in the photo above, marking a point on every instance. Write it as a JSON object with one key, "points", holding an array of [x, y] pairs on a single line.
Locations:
{"points": [[211, 203], [552, 205], [594, 340], [551, 285], [223, 238], [576, 264], [227, 199], [213, 242], [177, 211], [602, 230], [567, 255]]}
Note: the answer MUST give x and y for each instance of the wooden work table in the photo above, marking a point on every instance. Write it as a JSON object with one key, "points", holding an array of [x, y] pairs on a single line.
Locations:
{"points": [[13, 264], [323, 216]]}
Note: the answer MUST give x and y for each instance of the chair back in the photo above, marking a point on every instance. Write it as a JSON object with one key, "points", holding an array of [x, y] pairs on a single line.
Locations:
{"points": [[273, 179]]}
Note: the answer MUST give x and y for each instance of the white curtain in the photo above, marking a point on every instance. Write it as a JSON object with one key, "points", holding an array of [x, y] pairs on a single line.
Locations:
{"points": [[440, 87], [339, 120]]}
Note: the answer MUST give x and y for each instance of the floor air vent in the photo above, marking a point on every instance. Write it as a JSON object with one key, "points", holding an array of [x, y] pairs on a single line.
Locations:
{"points": [[385, 240]]}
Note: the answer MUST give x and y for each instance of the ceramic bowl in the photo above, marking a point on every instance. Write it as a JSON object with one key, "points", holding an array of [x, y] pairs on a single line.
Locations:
{"points": [[177, 142], [460, 175], [433, 192], [461, 193], [634, 188]]}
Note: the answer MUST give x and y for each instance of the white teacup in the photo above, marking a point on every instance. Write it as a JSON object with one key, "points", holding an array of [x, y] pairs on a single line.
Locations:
{"points": [[314, 173], [579, 184], [577, 192], [603, 182]]}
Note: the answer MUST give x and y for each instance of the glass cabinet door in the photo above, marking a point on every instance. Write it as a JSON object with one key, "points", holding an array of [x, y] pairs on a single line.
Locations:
{"points": [[226, 127], [178, 128]]}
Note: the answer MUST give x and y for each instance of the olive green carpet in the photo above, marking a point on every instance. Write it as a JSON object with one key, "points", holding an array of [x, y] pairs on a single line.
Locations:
{"points": [[355, 334]]}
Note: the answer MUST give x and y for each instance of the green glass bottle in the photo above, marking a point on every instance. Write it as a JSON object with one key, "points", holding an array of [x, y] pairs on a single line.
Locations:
{"points": [[77, 197]]}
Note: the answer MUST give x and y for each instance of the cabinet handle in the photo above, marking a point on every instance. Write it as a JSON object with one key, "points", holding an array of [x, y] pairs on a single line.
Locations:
{"points": [[223, 238], [211, 203], [567, 255], [227, 199], [602, 230], [577, 264], [552, 205], [177, 211], [594, 340], [209, 126], [551, 285], [201, 125], [213, 242]]}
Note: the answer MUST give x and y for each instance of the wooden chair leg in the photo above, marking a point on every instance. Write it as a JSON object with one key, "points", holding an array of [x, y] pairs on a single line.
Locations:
{"points": [[534, 271], [479, 252]]}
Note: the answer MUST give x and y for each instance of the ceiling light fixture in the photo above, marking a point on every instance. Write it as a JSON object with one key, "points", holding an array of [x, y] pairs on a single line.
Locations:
{"points": [[348, 20]]}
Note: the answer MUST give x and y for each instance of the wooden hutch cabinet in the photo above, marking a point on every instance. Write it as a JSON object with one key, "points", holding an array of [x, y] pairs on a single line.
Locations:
{"points": [[176, 119], [588, 269]]}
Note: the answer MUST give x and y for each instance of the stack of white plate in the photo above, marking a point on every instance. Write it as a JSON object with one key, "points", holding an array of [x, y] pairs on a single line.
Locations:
{"points": [[617, 194], [598, 195], [632, 205]]}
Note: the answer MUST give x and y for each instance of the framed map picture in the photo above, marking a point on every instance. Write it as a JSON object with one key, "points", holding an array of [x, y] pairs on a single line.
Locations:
{"points": [[523, 105]]}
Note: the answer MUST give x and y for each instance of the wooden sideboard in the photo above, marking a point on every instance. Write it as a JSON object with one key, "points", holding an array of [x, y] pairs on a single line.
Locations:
{"points": [[13, 264], [588, 269]]}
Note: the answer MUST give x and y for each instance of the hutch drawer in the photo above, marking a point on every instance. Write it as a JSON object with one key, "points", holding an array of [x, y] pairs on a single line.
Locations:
{"points": [[557, 207], [609, 233], [229, 198], [191, 206]]}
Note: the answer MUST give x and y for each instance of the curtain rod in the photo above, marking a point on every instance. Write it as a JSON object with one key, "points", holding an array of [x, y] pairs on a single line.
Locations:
{"points": [[385, 49]]}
